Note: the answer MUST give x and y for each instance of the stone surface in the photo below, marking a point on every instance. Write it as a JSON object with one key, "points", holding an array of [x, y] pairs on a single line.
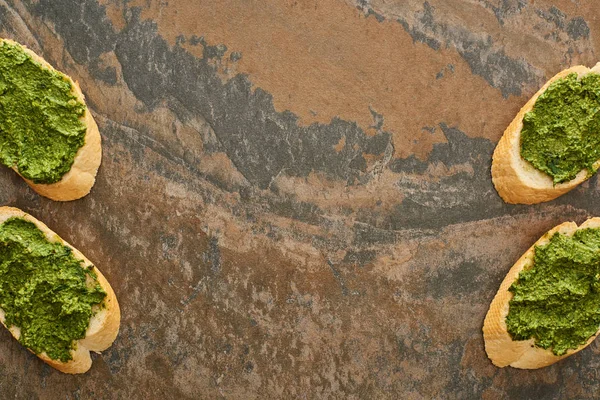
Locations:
{"points": [[295, 198]]}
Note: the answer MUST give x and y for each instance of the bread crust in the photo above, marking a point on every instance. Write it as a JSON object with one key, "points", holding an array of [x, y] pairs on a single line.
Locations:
{"points": [[78, 182], [515, 179], [104, 324], [500, 347]]}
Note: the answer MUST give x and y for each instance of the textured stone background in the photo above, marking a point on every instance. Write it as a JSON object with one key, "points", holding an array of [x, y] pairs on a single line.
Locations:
{"points": [[295, 198]]}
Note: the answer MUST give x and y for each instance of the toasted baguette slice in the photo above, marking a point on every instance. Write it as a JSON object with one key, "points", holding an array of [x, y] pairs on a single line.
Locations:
{"points": [[104, 324], [81, 177], [500, 347], [515, 179]]}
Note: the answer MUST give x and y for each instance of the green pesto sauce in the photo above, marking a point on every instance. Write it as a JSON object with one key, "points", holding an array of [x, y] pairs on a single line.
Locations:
{"points": [[557, 300], [561, 134], [40, 129], [44, 290]]}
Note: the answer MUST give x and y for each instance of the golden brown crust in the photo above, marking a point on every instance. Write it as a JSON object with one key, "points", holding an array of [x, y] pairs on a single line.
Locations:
{"points": [[81, 177], [515, 179], [500, 347], [104, 325]]}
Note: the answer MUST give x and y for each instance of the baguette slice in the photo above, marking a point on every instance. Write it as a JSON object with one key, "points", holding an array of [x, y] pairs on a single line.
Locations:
{"points": [[104, 325], [78, 182], [515, 179], [500, 347]]}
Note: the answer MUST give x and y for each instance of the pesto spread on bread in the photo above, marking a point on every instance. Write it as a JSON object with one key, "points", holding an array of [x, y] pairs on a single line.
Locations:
{"points": [[556, 301], [40, 126], [561, 134], [45, 290]]}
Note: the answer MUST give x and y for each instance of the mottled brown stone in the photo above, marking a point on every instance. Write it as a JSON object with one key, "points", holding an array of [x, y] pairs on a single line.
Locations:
{"points": [[348, 247]]}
